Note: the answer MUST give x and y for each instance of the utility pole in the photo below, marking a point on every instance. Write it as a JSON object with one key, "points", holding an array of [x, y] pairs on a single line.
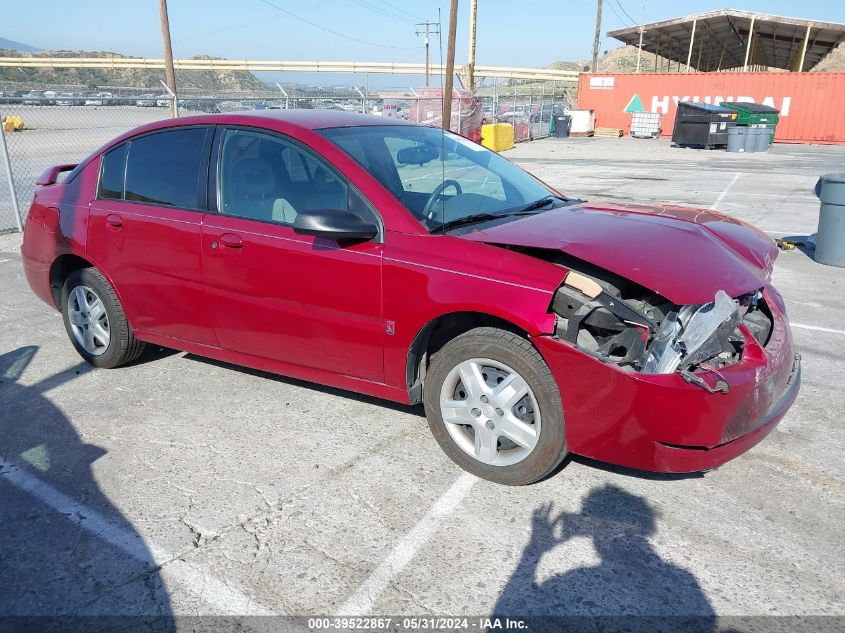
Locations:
{"points": [[640, 48], [473, 14], [426, 32], [169, 74], [450, 66], [597, 38]]}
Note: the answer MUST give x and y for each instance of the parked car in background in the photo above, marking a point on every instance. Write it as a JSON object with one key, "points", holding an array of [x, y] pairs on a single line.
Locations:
{"points": [[34, 97], [68, 99], [328, 246], [146, 101], [11, 96], [99, 99]]}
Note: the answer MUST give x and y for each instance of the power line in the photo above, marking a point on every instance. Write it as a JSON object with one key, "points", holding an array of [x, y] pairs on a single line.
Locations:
{"points": [[381, 11], [622, 21], [398, 9], [633, 21], [332, 31]]}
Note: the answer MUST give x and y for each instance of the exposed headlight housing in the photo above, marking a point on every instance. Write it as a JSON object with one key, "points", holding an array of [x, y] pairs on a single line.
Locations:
{"points": [[649, 334]]}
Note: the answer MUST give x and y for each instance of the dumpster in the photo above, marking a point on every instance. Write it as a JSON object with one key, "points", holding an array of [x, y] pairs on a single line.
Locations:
{"points": [[561, 124], [755, 114], [701, 125], [736, 138], [830, 238]]}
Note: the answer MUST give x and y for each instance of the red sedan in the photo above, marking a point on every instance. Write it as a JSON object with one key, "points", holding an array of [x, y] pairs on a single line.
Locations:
{"points": [[399, 261]]}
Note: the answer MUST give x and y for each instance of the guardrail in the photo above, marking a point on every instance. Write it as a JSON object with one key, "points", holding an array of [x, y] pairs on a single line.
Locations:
{"points": [[391, 68]]}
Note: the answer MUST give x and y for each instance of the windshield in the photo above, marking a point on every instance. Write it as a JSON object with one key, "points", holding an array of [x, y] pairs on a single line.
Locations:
{"points": [[440, 178]]}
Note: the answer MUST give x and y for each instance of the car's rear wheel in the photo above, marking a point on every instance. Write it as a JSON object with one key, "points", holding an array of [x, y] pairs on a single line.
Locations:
{"points": [[95, 321], [494, 407]]}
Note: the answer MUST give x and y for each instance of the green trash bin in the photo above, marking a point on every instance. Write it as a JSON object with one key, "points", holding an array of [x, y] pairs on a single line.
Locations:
{"points": [[755, 114]]}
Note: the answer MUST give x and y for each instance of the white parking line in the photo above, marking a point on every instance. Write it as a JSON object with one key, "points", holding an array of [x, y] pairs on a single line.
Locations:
{"points": [[817, 328], [3, 261], [725, 191], [210, 590], [362, 601]]}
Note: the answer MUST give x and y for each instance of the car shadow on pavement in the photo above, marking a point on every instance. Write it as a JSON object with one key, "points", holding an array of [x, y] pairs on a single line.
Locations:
{"points": [[634, 472], [332, 391], [631, 579], [67, 551], [151, 354]]}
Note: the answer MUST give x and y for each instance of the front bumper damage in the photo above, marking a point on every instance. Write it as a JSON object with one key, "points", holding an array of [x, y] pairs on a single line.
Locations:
{"points": [[671, 389]]}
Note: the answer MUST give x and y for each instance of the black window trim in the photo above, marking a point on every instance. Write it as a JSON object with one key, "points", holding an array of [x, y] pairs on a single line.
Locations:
{"points": [[102, 164], [202, 188], [213, 193]]}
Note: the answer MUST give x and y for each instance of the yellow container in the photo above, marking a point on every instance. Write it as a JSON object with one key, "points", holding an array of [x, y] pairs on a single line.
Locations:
{"points": [[497, 136], [12, 123]]}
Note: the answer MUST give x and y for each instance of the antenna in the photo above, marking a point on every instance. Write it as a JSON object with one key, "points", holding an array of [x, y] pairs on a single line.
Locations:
{"points": [[442, 129]]}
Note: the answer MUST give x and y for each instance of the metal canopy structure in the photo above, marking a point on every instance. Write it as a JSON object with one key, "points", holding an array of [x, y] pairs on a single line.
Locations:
{"points": [[729, 39]]}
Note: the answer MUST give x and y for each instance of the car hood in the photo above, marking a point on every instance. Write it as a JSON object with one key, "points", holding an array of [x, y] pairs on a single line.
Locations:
{"points": [[686, 255]]}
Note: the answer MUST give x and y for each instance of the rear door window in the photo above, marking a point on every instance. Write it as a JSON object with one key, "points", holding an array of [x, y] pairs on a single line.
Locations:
{"points": [[165, 168]]}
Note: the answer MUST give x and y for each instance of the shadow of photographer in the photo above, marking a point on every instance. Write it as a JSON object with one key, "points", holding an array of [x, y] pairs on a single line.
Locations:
{"points": [[66, 550], [630, 584]]}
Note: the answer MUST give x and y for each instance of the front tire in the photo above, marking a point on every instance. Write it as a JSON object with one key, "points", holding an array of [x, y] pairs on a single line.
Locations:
{"points": [[494, 407], [95, 321]]}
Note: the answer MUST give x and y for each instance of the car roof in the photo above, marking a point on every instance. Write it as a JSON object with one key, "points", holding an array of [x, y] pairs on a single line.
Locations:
{"points": [[304, 119], [307, 119]]}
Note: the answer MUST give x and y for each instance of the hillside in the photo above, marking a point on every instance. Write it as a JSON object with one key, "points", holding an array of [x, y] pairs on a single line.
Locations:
{"points": [[624, 60], [17, 46], [199, 81], [620, 60], [833, 63]]}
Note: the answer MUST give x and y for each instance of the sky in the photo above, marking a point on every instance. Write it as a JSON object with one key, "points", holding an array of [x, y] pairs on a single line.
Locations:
{"points": [[510, 32]]}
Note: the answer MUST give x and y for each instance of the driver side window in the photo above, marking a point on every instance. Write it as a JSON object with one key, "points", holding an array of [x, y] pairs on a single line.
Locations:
{"points": [[265, 178]]}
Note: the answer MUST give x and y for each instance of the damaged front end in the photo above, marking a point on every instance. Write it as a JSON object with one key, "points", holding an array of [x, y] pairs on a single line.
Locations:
{"points": [[620, 322]]}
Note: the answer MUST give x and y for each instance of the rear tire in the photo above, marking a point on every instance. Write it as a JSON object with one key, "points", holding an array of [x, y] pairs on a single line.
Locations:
{"points": [[95, 321], [501, 404]]}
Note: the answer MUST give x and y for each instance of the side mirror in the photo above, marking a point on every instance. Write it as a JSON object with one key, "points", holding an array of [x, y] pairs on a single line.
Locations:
{"points": [[334, 224]]}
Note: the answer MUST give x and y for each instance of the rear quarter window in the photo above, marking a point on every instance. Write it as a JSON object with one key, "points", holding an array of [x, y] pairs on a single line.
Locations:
{"points": [[112, 171]]}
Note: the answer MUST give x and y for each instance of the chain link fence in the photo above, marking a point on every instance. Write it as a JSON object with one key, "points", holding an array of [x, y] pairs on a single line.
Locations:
{"points": [[55, 133], [530, 109], [61, 126]]}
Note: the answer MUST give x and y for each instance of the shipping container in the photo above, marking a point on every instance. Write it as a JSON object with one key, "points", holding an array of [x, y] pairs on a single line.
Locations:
{"points": [[810, 104]]}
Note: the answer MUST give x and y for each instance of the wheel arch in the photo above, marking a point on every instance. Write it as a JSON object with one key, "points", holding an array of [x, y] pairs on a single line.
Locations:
{"points": [[439, 331], [61, 267]]}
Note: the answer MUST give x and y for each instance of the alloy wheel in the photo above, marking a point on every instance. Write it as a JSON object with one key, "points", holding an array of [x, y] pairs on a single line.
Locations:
{"points": [[490, 411], [88, 320]]}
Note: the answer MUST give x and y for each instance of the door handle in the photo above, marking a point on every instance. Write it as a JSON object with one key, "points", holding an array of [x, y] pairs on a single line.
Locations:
{"points": [[231, 240], [113, 219]]}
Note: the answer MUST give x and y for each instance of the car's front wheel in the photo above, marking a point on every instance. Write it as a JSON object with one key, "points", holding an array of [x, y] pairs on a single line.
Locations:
{"points": [[95, 321], [494, 407]]}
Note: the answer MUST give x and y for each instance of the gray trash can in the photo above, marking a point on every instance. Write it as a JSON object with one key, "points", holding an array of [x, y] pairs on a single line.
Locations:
{"points": [[761, 139], [750, 141], [562, 123], [736, 138], [830, 239]]}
